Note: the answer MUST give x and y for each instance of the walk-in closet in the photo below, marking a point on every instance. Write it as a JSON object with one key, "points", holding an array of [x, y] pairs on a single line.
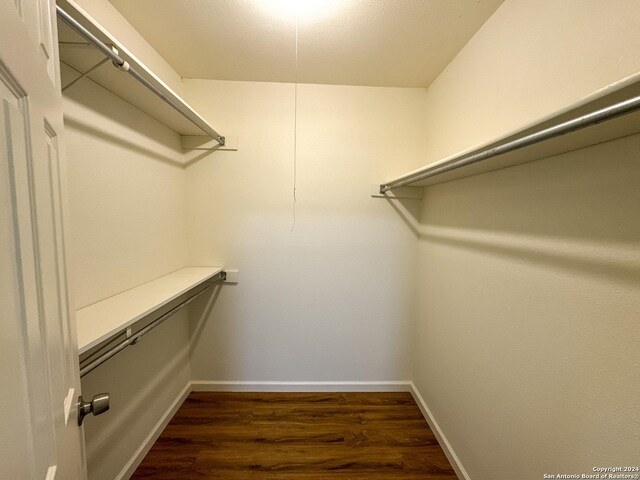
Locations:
{"points": [[320, 239]]}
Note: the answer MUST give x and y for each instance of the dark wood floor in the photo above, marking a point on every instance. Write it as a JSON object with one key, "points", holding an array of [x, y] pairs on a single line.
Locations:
{"points": [[256, 436]]}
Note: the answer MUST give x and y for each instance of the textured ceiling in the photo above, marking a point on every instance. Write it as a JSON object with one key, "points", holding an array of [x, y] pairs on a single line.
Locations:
{"points": [[403, 43]]}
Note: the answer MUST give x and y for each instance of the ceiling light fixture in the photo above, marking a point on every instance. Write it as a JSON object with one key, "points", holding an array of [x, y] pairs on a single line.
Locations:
{"points": [[306, 11]]}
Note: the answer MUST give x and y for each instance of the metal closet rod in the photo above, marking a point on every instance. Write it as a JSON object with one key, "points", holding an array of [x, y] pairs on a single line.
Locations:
{"points": [[93, 364], [598, 116], [120, 63]]}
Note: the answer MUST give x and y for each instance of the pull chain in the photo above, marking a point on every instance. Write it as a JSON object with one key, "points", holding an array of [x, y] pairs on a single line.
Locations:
{"points": [[295, 130]]}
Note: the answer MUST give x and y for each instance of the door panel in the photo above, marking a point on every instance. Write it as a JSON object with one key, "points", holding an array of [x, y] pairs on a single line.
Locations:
{"points": [[39, 377], [16, 450], [48, 263], [31, 393], [57, 241]]}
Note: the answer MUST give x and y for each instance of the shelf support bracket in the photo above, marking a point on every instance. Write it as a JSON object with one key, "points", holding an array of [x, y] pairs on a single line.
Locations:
{"points": [[84, 75]]}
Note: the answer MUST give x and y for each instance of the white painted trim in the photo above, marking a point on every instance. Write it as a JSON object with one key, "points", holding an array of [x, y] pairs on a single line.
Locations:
{"points": [[440, 436], [144, 448], [51, 472], [233, 386]]}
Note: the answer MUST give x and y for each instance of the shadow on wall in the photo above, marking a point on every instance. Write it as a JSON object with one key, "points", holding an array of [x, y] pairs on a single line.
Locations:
{"points": [[410, 211], [139, 390], [199, 313], [119, 141], [576, 211], [194, 156], [88, 105]]}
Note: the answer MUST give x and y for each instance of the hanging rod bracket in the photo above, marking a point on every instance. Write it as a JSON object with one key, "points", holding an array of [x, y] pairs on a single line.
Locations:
{"points": [[206, 142], [123, 65], [399, 193]]}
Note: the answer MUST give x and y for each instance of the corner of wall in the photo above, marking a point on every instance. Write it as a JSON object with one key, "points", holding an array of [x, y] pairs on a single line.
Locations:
{"points": [[453, 458]]}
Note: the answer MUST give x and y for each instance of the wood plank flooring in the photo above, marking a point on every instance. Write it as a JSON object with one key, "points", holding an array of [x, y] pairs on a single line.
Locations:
{"points": [[296, 436]]}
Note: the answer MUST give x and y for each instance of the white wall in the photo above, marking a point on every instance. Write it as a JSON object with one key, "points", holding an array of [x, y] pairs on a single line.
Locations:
{"points": [[329, 301], [128, 202], [525, 349], [527, 278], [529, 60], [526, 345], [331, 298], [127, 226]]}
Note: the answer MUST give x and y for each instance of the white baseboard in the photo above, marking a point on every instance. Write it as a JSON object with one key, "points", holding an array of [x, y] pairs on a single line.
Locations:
{"points": [[144, 448], [437, 431], [231, 386]]}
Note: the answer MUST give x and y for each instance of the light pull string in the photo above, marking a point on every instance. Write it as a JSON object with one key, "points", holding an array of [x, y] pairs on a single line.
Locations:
{"points": [[295, 130]]}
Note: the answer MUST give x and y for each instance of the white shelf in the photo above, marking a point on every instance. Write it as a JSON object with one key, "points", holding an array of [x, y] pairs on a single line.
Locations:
{"points": [[77, 57], [102, 320], [601, 132]]}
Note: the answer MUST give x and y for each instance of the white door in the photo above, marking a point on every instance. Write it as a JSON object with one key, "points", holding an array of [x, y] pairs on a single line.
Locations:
{"points": [[39, 379]]}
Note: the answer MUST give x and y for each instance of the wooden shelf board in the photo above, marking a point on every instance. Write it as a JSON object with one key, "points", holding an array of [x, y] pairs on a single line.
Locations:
{"points": [[102, 320]]}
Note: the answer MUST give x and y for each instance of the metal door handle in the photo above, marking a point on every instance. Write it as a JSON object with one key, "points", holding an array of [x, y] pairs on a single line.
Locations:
{"points": [[98, 405]]}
